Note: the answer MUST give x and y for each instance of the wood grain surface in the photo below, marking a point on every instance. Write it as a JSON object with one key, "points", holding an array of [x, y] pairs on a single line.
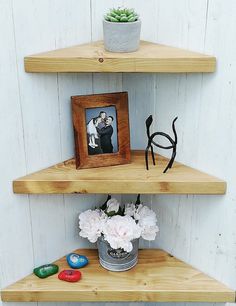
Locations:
{"points": [[92, 57], [130, 178], [158, 277]]}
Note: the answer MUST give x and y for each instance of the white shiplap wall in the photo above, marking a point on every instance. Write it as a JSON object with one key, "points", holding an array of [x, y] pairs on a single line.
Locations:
{"points": [[36, 129]]}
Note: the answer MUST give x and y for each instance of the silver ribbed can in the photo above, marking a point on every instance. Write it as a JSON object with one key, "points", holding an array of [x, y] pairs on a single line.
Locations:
{"points": [[117, 259]]}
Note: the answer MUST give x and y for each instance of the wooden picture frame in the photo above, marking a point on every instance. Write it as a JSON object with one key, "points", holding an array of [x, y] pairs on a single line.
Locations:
{"points": [[94, 146]]}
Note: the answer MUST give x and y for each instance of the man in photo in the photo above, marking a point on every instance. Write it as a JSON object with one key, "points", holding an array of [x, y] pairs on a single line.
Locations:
{"points": [[105, 135]]}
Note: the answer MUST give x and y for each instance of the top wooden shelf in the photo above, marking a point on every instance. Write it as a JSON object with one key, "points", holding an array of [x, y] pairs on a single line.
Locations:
{"points": [[92, 57]]}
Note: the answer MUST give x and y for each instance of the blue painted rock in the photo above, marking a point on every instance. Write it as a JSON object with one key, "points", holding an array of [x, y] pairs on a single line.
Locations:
{"points": [[70, 276], [76, 261], [46, 270]]}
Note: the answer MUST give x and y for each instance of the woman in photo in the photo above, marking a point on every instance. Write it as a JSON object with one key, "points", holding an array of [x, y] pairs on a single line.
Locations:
{"points": [[92, 126], [92, 131]]}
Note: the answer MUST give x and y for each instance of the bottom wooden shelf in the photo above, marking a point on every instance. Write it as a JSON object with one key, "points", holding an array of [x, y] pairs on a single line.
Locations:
{"points": [[158, 277]]}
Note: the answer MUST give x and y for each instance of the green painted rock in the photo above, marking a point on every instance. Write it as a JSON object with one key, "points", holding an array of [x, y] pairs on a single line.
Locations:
{"points": [[46, 270]]}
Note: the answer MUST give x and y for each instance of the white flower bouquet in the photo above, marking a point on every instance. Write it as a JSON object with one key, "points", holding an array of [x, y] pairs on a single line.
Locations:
{"points": [[119, 225]]}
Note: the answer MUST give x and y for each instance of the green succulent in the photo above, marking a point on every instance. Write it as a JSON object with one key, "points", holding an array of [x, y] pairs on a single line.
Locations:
{"points": [[121, 15]]}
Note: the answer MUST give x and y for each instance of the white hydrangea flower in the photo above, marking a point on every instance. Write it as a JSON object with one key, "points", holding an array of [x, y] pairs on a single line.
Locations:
{"points": [[91, 223], [119, 231], [149, 232], [113, 205], [130, 209], [137, 212], [147, 220]]}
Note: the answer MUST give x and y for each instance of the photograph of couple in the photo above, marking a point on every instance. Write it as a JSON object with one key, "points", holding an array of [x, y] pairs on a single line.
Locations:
{"points": [[101, 130]]}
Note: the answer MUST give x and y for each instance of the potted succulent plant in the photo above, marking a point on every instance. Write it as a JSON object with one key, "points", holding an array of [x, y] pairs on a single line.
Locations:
{"points": [[117, 230], [121, 30]]}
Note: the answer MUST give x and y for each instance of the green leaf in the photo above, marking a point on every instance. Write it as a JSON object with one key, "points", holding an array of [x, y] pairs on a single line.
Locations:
{"points": [[108, 17], [104, 206], [122, 15], [111, 213], [113, 19], [117, 12], [132, 19], [120, 212], [138, 201], [123, 19], [117, 17], [113, 14], [128, 12]]}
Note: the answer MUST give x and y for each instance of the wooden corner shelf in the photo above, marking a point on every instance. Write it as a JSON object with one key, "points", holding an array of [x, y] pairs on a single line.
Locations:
{"points": [[131, 178], [92, 57], [158, 277]]}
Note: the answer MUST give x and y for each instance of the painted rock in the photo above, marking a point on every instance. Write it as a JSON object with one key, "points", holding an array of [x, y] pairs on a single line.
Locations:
{"points": [[76, 261], [70, 276], [46, 270]]}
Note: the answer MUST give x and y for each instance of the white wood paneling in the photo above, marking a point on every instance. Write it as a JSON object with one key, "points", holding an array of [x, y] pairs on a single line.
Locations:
{"points": [[39, 99], [78, 31], [36, 128], [199, 229], [15, 224]]}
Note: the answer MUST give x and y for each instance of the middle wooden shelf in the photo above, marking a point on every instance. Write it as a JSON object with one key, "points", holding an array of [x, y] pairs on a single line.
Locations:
{"points": [[131, 178]]}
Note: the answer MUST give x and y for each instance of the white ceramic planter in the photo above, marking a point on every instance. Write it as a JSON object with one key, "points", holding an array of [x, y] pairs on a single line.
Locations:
{"points": [[121, 36]]}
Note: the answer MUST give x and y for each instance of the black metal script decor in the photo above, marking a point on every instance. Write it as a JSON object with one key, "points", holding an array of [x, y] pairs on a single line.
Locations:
{"points": [[151, 142]]}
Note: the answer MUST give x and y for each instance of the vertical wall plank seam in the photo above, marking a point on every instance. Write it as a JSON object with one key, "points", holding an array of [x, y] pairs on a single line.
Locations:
{"points": [[91, 21], [204, 46], [91, 38], [191, 230], [206, 22], [202, 75], [59, 115], [18, 87], [60, 141], [22, 124]]}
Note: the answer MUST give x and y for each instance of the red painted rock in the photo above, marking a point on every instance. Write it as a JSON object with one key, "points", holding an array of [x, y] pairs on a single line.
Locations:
{"points": [[70, 275]]}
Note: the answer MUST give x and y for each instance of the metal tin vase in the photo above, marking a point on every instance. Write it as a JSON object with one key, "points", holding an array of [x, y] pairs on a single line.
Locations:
{"points": [[117, 259]]}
